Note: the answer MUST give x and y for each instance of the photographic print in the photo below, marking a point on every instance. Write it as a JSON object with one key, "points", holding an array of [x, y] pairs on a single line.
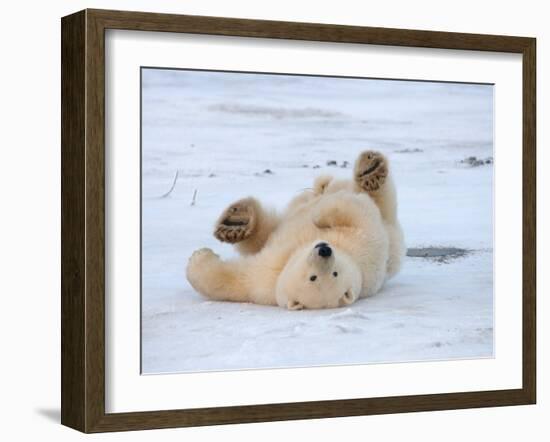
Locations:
{"points": [[299, 220], [252, 204]]}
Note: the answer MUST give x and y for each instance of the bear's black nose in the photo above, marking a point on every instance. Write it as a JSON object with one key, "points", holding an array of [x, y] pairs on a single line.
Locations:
{"points": [[321, 244], [325, 251]]}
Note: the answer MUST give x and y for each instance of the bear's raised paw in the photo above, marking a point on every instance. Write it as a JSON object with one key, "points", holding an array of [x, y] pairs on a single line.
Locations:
{"points": [[237, 222], [371, 170]]}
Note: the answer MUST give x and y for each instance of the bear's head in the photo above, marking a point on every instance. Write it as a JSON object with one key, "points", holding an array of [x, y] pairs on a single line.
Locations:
{"points": [[317, 276]]}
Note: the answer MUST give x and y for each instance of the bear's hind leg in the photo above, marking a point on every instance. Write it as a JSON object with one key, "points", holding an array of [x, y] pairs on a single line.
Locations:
{"points": [[372, 175], [371, 171], [246, 224]]}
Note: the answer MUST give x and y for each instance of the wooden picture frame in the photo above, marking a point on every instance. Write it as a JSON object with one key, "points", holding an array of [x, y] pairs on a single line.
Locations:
{"points": [[83, 220]]}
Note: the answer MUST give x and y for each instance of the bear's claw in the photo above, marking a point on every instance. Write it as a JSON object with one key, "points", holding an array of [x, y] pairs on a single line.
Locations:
{"points": [[371, 170], [237, 222]]}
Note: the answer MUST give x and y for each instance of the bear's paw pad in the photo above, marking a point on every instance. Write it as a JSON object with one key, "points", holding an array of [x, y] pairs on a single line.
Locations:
{"points": [[236, 222], [371, 170]]}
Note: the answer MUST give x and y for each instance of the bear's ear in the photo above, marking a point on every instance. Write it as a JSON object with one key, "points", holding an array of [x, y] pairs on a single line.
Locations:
{"points": [[348, 298], [294, 305]]}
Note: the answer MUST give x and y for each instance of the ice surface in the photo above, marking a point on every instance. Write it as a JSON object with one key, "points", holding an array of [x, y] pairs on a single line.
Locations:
{"points": [[222, 131]]}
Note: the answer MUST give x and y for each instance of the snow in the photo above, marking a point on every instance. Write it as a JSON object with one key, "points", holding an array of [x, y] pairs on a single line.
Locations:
{"points": [[222, 131]]}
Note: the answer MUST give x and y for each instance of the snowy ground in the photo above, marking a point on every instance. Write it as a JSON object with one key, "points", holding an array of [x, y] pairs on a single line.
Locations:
{"points": [[221, 132]]}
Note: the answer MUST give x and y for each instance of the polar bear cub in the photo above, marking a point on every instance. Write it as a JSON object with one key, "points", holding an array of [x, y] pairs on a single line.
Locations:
{"points": [[333, 244]]}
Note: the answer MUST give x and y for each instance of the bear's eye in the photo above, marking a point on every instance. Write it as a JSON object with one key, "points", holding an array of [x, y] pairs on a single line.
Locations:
{"points": [[335, 274], [313, 277]]}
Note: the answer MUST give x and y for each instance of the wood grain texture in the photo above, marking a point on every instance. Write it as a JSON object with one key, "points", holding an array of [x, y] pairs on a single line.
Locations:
{"points": [[145, 21], [83, 220], [73, 128], [529, 220], [95, 221]]}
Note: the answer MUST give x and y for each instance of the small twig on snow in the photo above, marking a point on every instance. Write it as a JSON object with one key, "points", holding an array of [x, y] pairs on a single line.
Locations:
{"points": [[194, 197], [173, 185]]}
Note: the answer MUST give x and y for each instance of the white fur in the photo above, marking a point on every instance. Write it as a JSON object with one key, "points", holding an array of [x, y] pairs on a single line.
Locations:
{"points": [[360, 227]]}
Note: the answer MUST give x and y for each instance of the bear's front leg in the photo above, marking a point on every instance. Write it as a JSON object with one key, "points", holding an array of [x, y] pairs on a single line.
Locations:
{"points": [[246, 224], [216, 279]]}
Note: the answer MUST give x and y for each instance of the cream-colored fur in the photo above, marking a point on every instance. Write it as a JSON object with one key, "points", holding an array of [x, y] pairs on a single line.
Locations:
{"points": [[281, 262]]}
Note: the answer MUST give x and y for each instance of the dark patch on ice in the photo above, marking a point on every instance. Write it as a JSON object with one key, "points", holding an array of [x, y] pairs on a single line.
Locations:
{"points": [[476, 162], [416, 150], [334, 163], [265, 172], [212, 175], [438, 254], [316, 166]]}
